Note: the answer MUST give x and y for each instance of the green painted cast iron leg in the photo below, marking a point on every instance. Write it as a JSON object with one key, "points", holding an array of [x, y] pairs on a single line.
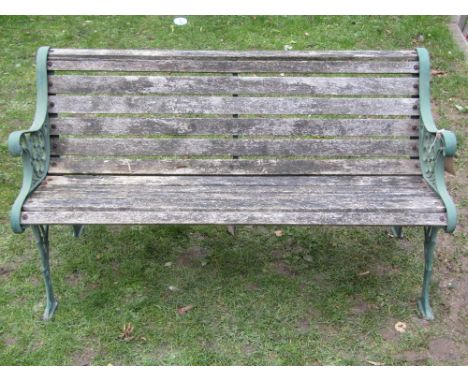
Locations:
{"points": [[77, 230], [41, 234], [397, 231], [430, 238]]}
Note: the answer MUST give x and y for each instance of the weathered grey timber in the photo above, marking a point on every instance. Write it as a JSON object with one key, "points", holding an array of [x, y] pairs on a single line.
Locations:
{"points": [[227, 137]]}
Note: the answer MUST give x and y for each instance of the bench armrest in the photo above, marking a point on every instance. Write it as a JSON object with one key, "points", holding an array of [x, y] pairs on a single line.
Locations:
{"points": [[434, 145], [33, 144]]}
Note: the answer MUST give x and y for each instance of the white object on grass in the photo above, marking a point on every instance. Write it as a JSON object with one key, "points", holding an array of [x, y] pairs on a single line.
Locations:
{"points": [[180, 21]]}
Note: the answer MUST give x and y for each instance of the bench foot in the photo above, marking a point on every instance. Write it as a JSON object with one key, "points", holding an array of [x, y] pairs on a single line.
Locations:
{"points": [[397, 231], [41, 234], [77, 230], [430, 238]]}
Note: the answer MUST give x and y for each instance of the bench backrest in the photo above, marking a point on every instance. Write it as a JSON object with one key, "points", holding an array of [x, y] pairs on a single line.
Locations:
{"points": [[227, 112]]}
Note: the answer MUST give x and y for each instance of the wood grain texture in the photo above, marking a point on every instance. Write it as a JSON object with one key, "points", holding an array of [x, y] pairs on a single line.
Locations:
{"points": [[405, 218], [238, 147], [233, 54], [220, 66], [398, 182], [237, 126], [231, 105], [404, 86], [234, 167]]}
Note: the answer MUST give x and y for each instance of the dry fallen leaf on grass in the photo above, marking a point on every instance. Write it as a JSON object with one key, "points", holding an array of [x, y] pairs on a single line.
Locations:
{"points": [[184, 309], [168, 264], [127, 332], [278, 233], [376, 363], [400, 327], [365, 273], [438, 73], [173, 288]]}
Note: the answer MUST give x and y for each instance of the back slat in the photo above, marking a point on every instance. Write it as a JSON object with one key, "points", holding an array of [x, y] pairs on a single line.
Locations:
{"points": [[231, 105], [199, 66], [233, 54], [343, 86], [235, 147], [239, 126], [67, 165]]}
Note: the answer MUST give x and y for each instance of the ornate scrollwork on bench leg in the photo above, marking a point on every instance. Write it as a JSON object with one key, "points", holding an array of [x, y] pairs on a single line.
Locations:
{"points": [[41, 234], [434, 147], [430, 239]]}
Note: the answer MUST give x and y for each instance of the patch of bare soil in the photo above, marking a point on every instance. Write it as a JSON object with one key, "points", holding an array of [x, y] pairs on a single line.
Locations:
{"points": [[192, 256], [284, 269], [444, 349], [4, 272], [84, 357], [73, 279]]}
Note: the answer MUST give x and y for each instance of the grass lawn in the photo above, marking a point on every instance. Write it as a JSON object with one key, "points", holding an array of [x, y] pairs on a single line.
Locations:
{"points": [[311, 296]]}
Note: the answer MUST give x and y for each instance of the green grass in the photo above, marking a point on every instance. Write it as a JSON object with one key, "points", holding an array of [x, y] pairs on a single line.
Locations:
{"points": [[313, 296]]}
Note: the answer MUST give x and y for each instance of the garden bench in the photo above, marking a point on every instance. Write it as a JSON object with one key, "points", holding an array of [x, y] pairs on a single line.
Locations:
{"points": [[226, 137]]}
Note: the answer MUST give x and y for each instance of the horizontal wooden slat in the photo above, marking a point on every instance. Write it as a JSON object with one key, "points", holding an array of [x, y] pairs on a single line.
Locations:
{"points": [[231, 105], [234, 167], [234, 202], [235, 126], [224, 66], [235, 217], [336, 182], [233, 54], [242, 147], [404, 86]]}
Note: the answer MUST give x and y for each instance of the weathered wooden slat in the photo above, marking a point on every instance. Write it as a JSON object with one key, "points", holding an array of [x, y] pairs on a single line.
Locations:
{"points": [[232, 54], [236, 202], [231, 167], [343, 86], [234, 182], [408, 218], [220, 66], [243, 147], [237, 126], [231, 105]]}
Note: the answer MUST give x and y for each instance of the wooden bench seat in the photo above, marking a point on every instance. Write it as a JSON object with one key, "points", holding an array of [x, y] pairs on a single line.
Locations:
{"points": [[334, 200], [225, 137]]}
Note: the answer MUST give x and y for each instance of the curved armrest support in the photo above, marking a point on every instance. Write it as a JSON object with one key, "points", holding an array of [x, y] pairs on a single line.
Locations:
{"points": [[33, 144], [434, 144]]}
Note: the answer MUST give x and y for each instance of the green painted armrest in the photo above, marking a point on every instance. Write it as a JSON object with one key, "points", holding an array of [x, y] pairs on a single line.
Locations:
{"points": [[33, 144], [434, 145]]}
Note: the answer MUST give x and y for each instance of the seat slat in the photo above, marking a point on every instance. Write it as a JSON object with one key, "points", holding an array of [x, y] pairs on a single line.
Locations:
{"points": [[235, 202], [234, 167], [409, 218], [235, 126], [231, 105], [232, 54], [405, 86], [237, 147], [220, 66]]}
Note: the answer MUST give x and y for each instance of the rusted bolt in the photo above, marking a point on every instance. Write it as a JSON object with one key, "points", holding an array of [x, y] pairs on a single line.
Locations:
{"points": [[416, 165], [49, 64], [442, 218], [414, 147], [416, 67], [54, 145], [415, 86], [415, 107], [53, 126], [50, 84], [415, 127], [25, 216], [53, 164], [51, 104]]}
